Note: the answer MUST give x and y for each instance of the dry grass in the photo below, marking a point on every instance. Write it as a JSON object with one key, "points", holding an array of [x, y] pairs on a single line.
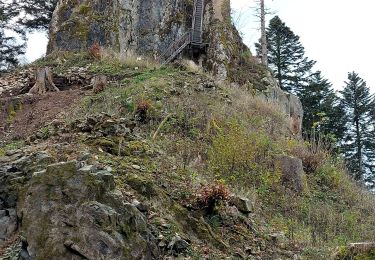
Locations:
{"points": [[128, 59], [255, 112]]}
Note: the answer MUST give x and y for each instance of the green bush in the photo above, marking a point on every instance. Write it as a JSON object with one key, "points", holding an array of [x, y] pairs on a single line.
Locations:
{"points": [[239, 156]]}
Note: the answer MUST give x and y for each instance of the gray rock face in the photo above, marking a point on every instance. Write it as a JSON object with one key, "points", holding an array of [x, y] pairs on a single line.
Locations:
{"points": [[8, 223], [292, 172], [128, 26], [143, 27], [289, 104], [15, 170], [72, 214]]}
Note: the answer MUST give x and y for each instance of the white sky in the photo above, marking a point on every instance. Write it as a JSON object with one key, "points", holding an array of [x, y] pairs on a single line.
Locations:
{"points": [[338, 34]]}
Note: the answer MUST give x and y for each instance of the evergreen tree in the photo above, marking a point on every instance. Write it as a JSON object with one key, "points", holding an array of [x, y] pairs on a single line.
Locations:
{"points": [[34, 14], [286, 57], [11, 37], [357, 102], [370, 148], [322, 110], [17, 17]]}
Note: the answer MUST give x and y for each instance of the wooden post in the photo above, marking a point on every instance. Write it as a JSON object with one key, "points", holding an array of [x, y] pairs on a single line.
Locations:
{"points": [[99, 83]]}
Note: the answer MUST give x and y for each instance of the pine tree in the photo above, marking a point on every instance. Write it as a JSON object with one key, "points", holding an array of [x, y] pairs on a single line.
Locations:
{"points": [[370, 148], [34, 14], [322, 110], [11, 38], [357, 102], [286, 57], [17, 17]]}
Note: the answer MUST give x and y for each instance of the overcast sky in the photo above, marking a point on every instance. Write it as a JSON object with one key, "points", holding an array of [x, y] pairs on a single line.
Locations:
{"points": [[338, 34]]}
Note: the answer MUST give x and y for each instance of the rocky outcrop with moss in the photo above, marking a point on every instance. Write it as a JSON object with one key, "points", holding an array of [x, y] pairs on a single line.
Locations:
{"points": [[72, 209], [146, 28]]}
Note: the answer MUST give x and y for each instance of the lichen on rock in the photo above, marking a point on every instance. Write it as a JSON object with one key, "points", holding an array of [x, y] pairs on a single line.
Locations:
{"points": [[67, 212]]}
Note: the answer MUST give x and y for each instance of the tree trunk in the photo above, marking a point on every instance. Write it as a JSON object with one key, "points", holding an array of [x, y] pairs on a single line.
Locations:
{"points": [[44, 82], [359, 174], [264, 35]]}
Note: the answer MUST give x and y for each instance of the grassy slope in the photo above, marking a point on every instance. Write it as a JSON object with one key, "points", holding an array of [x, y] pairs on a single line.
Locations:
{"points": [[214, 133]]}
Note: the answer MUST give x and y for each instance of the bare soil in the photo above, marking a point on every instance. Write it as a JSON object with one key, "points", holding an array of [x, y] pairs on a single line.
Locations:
{"points": [[34, 112]]}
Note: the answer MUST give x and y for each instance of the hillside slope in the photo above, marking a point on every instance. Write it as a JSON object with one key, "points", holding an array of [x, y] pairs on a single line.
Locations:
{"points": [[165, 162]]}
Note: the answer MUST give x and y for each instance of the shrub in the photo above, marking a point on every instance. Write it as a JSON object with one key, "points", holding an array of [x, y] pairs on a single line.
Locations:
{"points": [[313, 154], [238, 155], [211, 195], [142, 109]]}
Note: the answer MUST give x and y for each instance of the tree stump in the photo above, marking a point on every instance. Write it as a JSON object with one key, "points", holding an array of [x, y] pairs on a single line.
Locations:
{"points": [[99, 83], [44, 82]]}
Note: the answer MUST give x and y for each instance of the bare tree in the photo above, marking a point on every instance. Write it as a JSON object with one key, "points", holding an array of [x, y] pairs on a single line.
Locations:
{"points": [[261, 12], [263, 34]]}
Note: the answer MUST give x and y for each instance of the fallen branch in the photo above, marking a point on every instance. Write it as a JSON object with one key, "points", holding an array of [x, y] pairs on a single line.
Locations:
{"points": [[213, 235], [161, 126]]}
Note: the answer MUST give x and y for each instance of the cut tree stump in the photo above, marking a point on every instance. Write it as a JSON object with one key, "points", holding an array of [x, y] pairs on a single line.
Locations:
{"points": [[44, 82], [99, 83]]}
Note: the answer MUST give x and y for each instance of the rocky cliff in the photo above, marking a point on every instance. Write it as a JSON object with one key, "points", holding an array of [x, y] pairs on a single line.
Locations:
{"points": [[146, 28]]}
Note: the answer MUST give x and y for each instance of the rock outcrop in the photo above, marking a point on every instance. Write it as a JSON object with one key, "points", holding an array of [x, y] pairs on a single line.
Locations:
{"points": [[292, 172], [68, 210], [356, 251], [289, 104], [93, 222], [146, 28]]}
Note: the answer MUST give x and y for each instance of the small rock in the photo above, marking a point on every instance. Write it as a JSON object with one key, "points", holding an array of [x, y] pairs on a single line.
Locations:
{"points": [[178, 245], [162, 244], [136, 167], [243, 204], [84, 156], [209, 84], [140, 206], [278, 239], [12, 152], [88, 169]]}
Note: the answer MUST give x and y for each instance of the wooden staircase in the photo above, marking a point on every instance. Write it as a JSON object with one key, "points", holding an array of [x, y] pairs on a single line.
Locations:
{"points": [[196, 36], [192, 37]]}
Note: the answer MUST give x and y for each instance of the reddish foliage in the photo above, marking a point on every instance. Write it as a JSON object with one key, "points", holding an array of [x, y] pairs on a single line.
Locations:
{"points": [[142, 108], [95, 50], [211, 195]]}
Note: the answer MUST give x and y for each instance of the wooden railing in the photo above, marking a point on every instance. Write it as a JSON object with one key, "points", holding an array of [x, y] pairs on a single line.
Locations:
{"points": [[176, 48], [192, 36]]}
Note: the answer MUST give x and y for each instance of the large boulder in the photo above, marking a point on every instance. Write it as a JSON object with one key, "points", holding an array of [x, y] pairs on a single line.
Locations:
{"points": [[71, 213], [292, 172]]}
